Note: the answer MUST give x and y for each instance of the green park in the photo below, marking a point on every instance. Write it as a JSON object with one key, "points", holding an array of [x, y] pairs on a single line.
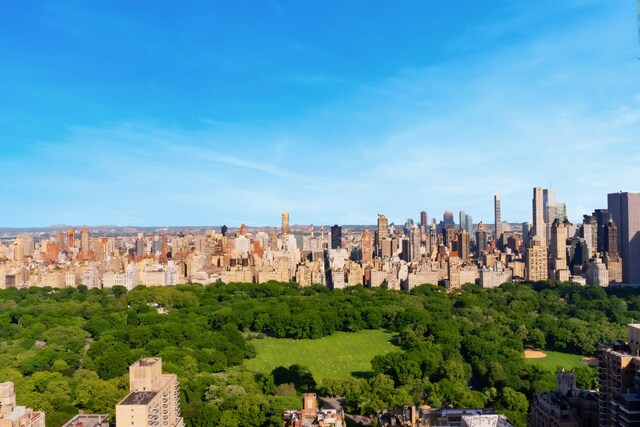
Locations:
{"points": [[333, 357]]}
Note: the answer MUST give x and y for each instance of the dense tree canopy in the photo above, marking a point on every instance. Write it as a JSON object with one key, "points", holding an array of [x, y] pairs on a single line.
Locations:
{"points": [[463, 348]]}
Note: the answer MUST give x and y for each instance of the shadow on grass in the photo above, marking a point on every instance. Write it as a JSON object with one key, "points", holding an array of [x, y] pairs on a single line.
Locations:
{"points": [[362, 374]]}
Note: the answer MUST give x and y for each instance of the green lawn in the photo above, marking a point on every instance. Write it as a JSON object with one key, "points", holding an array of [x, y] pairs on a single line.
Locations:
{"points": [[556, 360], [334, 357]]}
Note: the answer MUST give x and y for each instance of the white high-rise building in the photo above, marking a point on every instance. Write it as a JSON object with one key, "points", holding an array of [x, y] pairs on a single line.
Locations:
{"points": [[131, 276]]}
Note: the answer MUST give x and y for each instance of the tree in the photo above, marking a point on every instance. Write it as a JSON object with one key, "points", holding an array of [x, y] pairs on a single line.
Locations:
{"points": [[297, 375]]}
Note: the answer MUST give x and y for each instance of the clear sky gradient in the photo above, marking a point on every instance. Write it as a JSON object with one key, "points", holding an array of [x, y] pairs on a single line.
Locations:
{"points": [[176, 113]]}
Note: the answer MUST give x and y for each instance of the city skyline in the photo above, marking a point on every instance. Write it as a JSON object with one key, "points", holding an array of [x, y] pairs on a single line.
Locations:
{"points": [[114, 114], [433, 217]]}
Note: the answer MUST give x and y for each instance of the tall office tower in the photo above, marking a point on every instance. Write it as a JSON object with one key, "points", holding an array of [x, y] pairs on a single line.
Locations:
{"points": [[153, 399], [387, 247], [526, 232], [29, 244], [18, 249], [383, 228], [536, 261], [448, 234], [590, 233], [558, 245], [611, 238], [497, 217], [548, 200], [447, 219], [481, 238], [408, 225], [463, 245], [625, 212], [433, 239], [468, 225], [71, 239], [273, 240], [619, 368], [602, 217], [423, 219], [285, 224], [611, 257], [538, 231], [164, 244], [367, 246], [84, 241], [561, 211], [461, 218], [415, 240], [558, 252], [140, 245], [60, 240], [336, 237]]}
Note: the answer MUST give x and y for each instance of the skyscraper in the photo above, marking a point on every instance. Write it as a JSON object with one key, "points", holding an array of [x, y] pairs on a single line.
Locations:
{"points": [[481, 238], [408, 225], [382, 234], [336, 237], [140, 250], [463, 245], [558, 251], [548, 200], [538, 231], [383, 226], [625, 212], [285, 223], [462, 218], [611, 238], [84, 241], [71, 239], [367, 246], [497, 216], [468, 225], [447, 218], [60, 240], [526, 232], [536, 261], [602, 217], [611, 257], [414, 243], [590, 233], [423, 219]]}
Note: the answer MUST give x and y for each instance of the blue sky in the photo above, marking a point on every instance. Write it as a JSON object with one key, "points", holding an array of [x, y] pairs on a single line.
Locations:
{"points": [[174, 113]]}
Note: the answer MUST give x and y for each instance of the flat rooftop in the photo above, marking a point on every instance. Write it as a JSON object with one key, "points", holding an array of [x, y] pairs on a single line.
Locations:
{"points": [[139, 398], [88, 420]]}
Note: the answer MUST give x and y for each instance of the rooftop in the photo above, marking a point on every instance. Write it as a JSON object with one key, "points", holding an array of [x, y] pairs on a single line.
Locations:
{"points": [[88, 420], [139, 398]]}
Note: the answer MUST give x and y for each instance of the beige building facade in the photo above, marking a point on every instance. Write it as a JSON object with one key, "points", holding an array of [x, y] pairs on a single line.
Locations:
{"points": [[154, 398]]}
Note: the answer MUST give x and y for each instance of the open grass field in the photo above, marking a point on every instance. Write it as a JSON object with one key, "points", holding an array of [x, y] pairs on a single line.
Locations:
{"points": [[555, 360], [336, 356]]}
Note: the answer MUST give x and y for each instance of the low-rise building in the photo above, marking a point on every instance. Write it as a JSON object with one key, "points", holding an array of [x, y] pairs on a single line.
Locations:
{"points": [[425, 416], [88, 420], [311, 416]]}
